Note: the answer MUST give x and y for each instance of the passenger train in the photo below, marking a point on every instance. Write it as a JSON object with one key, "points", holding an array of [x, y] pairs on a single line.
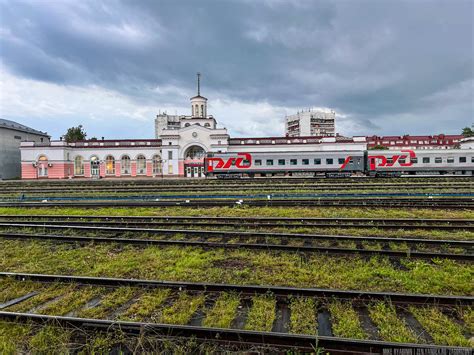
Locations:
{"points": [[374, 163]]}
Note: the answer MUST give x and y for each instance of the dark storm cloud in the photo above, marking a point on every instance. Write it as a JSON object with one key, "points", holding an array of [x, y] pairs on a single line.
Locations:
{"points": [[382, 63]]}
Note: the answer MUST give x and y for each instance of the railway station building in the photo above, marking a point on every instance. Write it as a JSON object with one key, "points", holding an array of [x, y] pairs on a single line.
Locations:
{"points": [[178, 149]]}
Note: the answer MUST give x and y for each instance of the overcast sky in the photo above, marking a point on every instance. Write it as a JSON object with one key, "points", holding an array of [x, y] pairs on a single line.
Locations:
{"points": [[386, 67]]}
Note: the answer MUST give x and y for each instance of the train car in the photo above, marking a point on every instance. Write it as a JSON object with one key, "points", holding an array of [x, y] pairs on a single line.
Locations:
{"points": [[323, 163], [420, 162]]}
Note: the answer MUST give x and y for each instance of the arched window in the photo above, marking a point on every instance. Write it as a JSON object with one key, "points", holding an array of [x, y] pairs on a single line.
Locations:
{"points": [[43, 158], [125, 165], [202, 110], [187, 125], [78, 165], [207, 125], [194, 152], [141, 165], [197, 110], [156, 165], [110, 165]]}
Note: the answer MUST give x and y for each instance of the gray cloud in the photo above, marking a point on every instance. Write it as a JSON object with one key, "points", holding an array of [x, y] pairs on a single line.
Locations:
{"points": [[377, 63]]}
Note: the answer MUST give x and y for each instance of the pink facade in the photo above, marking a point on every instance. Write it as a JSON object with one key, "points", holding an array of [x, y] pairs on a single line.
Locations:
{"points": [[46, 170]]}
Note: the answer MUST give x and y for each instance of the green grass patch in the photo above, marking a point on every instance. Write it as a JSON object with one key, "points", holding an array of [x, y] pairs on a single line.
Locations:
{"points": [[262, 313], [345, 320], [442, 329], [182, 309], [146, 305], [303, 316], [390, 326], [223, 312], [108, 303]]}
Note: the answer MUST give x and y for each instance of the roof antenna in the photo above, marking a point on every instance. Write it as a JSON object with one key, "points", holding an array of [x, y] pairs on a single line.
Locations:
{"points": [[199, 83]]}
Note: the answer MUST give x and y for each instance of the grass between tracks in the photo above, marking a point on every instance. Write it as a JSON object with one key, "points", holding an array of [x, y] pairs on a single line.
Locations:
{"points": [[238, 266], [246, 211]]}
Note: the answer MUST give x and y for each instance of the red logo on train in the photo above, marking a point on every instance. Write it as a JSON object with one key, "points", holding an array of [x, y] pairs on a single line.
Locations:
{"points": [[395, 158], [243, 161]]}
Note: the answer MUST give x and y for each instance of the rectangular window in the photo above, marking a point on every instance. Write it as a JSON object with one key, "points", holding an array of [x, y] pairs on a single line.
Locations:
{"points": [[341, 160], [450, 160], [293, 161], [462, 159], [305, 161], [414, 160], [269, 162], [402, 161], [438, 160], [170, 155], [258, 162], [317, 161], [329, 161], [426, 160], [170, 168], [472, 159], [281, 161]]}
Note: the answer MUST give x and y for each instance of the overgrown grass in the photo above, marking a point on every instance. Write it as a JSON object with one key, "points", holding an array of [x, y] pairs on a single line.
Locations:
{"points": [[51, 340], [390, 326], [262, 313], [146, 305], [182, 309], [238, 266], [13, 337], [345, 320], [442, 329], [303, 316], [223, 312], [245, 211], [108, 303]]}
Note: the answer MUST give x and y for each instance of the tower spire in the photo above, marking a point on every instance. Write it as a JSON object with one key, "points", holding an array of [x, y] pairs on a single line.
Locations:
{"points": [[199, 83]]}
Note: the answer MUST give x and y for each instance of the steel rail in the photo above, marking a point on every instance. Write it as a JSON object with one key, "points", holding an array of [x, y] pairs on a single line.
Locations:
{"points": [[237, 234], [232, 336], [278, 291], [433, 221], [144, 188], [337, 203], [244, 224], [254, 246]]}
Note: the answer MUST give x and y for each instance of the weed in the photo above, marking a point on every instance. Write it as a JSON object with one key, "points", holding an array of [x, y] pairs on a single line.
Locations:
{"points": [[345, 320], [303, 316], [223, 312], [262, 313]]}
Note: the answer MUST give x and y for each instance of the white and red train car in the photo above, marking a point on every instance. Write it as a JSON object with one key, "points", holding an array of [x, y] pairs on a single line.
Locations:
{"points": [[341, 163]]}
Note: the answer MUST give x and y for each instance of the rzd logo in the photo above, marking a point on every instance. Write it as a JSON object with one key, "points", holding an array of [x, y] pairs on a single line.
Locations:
{"points": [[244, 161], [373, 163]]}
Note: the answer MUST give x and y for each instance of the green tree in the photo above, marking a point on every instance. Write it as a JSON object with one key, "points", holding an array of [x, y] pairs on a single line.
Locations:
{"points": [[467, 132], [75, 134], [378, 147]]}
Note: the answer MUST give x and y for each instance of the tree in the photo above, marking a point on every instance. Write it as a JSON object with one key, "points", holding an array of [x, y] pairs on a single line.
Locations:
{"points": [[467, 132], [378, 147], [75, 134]]}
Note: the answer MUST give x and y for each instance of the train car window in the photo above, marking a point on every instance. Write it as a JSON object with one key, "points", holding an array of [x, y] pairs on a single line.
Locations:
{"points": [[293, 161], [438, 160], [414, 160], [389, 160], [317, 161], [340, 160], [246, 162], [402, 161], [269, 162], [462, 159], [426, 160], [472, 159], [281, 161], [329, 161], [450, 160], [258, 162], [305, 161]]}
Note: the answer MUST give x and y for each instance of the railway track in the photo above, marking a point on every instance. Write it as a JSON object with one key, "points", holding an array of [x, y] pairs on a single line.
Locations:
{"points": [[289, 242], [246, 222], [98, 312], [433, 203], [233, 187]]}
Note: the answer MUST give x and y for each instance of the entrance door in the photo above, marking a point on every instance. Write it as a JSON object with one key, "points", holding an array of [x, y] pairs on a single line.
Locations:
{"points": [[188, 171], [95, 170], [196, 171]]}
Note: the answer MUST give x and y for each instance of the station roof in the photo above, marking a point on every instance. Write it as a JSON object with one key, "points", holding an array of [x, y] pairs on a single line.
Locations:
{"points": [[19, 127]]}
